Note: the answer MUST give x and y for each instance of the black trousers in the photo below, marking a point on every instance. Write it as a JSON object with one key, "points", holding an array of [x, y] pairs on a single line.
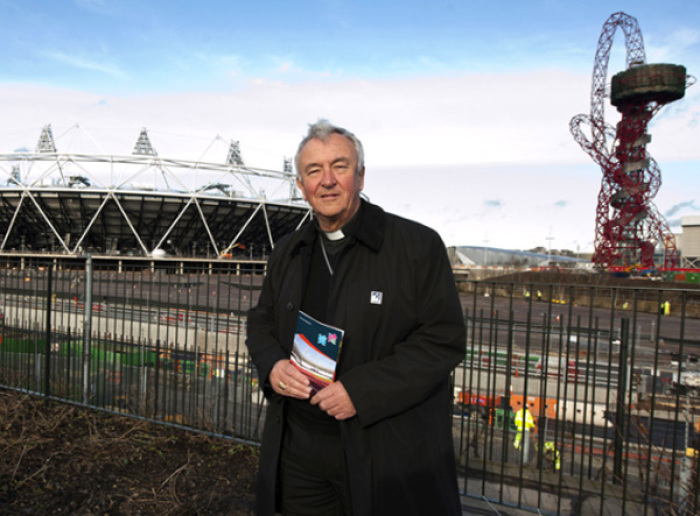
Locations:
{"points": [[313, 472]]}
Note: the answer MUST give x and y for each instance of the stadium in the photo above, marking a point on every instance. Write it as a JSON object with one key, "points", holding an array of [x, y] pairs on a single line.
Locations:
{"points": [[142, 207]]}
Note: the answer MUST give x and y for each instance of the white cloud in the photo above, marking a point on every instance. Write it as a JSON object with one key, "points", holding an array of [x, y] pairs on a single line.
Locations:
{"points": [[514, 204], [496, 118], [673, 45], [84, 63], [469, 154]]}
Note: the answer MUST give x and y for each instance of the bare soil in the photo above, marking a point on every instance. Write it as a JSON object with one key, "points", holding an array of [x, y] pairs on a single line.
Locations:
{"points": [[62, 459]]}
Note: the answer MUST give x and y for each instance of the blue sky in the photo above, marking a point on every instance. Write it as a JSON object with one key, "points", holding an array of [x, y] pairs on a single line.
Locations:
{"points": [[463, 106]]}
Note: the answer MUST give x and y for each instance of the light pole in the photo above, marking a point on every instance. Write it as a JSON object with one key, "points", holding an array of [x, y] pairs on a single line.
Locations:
{"points": [[486, 250], [549, 248]]}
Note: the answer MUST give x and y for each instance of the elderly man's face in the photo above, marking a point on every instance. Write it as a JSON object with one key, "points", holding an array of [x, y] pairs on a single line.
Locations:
{"points": [[329, 180]]}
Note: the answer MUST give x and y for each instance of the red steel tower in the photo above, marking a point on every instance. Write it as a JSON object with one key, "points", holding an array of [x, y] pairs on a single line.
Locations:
{"points": [[629, 227]]}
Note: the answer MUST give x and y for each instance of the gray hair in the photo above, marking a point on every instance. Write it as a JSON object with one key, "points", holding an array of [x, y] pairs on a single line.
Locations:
{"points": [[322, 130]]}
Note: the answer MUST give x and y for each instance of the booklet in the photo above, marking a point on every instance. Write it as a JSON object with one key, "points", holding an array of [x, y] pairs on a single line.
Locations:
{"points": [[315, 350]]}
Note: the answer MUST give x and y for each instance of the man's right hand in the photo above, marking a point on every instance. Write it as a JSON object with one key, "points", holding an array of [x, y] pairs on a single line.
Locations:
{"points": [[287, 380]]}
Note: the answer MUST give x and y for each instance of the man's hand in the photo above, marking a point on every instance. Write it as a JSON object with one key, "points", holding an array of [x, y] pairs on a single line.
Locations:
{"points": [[335, 401], [287, 380]]}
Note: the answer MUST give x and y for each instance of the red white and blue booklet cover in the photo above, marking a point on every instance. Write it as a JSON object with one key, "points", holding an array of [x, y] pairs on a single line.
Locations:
{"points": [[316, 349]]}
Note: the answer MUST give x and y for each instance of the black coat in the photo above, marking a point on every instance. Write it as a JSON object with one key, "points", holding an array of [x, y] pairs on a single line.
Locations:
{"points": [[395, 361]]}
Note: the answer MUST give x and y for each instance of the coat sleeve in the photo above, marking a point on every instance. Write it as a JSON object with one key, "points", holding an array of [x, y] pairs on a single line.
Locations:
{"points": [[262, 339], [422, 362]]}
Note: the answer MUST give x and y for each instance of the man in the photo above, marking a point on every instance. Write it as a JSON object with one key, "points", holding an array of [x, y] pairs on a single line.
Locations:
{"points": [[378, 440], [524, 422]]}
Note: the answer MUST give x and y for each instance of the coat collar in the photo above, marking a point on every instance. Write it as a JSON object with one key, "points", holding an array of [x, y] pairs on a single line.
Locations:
{"points": [[369, 229]]}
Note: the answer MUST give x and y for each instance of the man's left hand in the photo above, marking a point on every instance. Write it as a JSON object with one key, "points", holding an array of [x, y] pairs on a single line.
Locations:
{"points": [[335, 401]]}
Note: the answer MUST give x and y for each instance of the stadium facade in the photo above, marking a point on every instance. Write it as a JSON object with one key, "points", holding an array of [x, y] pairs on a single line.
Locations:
{"points": [[142, 206], [479, 256]]}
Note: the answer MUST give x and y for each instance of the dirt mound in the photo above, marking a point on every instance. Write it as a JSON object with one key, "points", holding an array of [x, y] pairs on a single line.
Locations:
{"points": [[62, 459]]}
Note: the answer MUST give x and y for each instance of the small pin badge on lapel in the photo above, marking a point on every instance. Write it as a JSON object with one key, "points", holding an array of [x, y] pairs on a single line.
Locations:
{"points": [[376, 297]]}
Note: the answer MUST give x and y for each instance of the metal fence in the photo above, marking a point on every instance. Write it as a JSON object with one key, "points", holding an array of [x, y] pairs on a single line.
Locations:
{"points": [[606, 376], [157, 344], [609, 376]]}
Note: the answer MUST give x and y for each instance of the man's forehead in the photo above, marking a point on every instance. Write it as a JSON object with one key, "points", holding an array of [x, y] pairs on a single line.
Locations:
{"points": [[341, 144]]}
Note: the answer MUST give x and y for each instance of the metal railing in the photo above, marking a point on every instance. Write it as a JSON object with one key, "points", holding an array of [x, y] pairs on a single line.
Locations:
{"points": [[608, 375], [160, 345], [609, 380]]}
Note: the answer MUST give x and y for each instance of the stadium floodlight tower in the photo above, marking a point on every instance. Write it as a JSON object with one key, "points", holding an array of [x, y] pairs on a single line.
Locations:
{"points": [[629, 227]]}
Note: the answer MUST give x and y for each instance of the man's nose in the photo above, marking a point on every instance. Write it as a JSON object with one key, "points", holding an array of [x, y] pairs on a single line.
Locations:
{"points": [[328, 179]]}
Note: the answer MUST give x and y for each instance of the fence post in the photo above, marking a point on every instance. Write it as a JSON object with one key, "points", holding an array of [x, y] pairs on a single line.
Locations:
{"points": [[507, 443], [87, 328], [47, 358], [156, 381], [620, 427]]}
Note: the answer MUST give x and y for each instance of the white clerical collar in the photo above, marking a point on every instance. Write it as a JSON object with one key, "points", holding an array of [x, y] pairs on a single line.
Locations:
{"points": [[335, 235]]}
